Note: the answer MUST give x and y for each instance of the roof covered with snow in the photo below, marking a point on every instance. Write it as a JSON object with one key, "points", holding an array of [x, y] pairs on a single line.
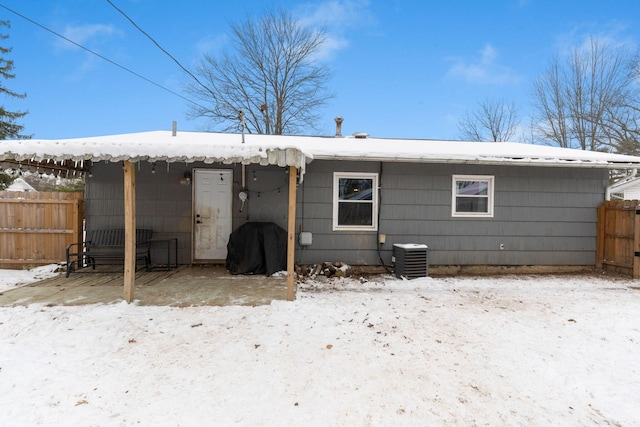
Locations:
{"points": [[299, 150], [20, 184], [157, 146]]}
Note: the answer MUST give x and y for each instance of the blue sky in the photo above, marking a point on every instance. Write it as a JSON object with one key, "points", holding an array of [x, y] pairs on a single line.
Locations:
{"points": [[402, 68]]}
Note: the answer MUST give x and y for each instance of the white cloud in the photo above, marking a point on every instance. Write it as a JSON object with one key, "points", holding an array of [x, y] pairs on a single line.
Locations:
{"points": [[85, 34], [210, 44], [89, 36], [488, 55], [338, 17], [611, 34], [332, 45], [485, 70]]}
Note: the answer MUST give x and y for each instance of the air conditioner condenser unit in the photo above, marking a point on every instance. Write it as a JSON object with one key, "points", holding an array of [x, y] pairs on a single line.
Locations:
{"points": [[410, 260]]}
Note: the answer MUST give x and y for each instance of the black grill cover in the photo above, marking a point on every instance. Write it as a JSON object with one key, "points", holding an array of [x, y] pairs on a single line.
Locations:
{"points": [[257, 248]]}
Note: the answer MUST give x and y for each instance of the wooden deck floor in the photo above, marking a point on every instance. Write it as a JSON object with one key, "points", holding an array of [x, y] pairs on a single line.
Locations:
{"points": [[110, 275], [184, 286]]}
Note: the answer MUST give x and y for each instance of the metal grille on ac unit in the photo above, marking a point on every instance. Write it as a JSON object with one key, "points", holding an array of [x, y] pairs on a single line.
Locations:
{"points": [[410, 260]]}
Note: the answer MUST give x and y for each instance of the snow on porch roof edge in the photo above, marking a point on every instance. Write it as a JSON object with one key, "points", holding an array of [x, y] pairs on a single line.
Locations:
{"points": [[158, 146], [296, 151]]}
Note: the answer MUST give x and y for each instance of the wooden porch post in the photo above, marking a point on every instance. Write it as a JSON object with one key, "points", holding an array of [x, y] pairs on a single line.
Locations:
{"points": [[291, 231], [129, 229]]}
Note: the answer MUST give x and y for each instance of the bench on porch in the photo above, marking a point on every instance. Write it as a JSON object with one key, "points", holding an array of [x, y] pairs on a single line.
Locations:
{"points": [[107, 245]]}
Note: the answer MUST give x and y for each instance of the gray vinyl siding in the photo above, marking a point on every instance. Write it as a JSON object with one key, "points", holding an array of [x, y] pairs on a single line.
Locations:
{"points": [[162, 203], [542, 216], [165, 206]]}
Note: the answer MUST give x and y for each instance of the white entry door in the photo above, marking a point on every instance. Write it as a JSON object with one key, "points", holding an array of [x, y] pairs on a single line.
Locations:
{"points": [[212, 197]]}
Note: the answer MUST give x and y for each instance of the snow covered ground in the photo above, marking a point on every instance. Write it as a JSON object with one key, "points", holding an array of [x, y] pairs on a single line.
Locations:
{"points": [[465, 351]]}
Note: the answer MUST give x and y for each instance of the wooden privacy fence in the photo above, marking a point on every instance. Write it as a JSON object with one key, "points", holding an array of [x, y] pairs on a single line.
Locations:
{"points": [[618, 239], [36, 227]]}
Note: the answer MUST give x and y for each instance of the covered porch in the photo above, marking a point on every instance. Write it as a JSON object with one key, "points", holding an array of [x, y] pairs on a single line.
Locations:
{"points": [[227, 153], [209, 285]]}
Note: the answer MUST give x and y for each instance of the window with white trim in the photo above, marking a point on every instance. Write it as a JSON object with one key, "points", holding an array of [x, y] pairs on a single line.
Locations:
{"points": [[355, 201], [472, 196]]}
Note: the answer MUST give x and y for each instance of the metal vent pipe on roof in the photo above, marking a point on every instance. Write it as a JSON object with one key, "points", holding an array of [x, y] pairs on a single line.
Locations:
{"points": [[174, 128], [339, 121]]}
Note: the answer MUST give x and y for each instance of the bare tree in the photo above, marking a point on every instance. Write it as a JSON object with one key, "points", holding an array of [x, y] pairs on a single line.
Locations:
{"points": [[587, 102], [622, 130], [271, 77], [494, 120]]}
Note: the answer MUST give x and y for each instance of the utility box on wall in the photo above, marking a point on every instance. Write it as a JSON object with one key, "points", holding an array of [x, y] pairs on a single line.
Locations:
{"points": [[305, 238], [410, 260]]}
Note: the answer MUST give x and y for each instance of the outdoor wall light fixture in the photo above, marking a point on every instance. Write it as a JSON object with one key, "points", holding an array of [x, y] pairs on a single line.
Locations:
{"points": [[186, 178]]}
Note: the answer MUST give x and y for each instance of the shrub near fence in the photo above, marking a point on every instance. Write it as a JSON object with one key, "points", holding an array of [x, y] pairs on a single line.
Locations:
{"points": [[36, 227]]}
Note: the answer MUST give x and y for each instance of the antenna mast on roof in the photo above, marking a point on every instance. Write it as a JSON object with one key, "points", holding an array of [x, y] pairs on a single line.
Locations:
{"points": [[241, 117]]}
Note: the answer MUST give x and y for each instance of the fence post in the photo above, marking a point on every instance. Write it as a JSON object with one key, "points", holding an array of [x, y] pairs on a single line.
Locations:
{"points": [[602, 214], [636, 243]]}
